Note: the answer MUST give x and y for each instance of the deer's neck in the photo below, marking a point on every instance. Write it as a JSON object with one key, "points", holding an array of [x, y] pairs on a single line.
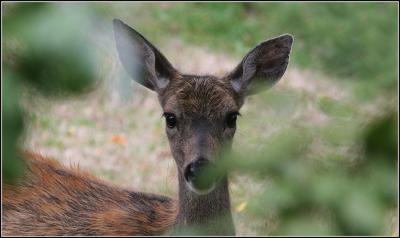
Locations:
{"points": [[211, 211]]}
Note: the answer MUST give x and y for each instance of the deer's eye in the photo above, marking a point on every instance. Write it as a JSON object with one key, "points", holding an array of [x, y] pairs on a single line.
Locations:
{"points": [[170, 119], [231, 119]]}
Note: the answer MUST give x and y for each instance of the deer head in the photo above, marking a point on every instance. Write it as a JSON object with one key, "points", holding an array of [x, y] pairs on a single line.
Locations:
{"points": [[200, 110]]}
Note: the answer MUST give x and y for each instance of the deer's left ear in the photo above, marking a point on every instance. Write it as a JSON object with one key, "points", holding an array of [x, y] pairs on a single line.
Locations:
{"points": [[262, 67]]}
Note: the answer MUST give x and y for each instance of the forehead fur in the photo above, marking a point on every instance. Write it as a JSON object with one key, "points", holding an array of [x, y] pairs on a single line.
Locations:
{"points": [[201, 95]]}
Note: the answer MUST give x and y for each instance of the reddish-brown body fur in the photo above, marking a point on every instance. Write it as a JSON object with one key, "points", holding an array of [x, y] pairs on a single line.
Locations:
{"points": [[54, 200]]}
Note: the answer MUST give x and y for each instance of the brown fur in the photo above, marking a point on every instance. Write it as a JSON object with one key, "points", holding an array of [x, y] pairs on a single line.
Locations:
{"points": [[54, 200], [202, 95]]}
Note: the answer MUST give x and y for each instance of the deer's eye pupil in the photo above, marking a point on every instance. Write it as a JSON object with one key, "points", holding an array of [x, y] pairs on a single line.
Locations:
{"points": [[170, 120], [231, 119]]}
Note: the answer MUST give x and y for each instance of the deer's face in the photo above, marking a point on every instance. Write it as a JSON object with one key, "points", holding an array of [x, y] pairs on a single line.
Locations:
{"points": [[200, 116], [200, 111]]}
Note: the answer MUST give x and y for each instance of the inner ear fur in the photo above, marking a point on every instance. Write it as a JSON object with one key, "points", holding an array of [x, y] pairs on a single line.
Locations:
{"points": [[262, 67]]}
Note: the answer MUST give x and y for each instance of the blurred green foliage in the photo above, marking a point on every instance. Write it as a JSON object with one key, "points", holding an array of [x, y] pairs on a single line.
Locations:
{"points": [[55, 56], [320, 198], [13, 126], [45, 45], [308, 193]]}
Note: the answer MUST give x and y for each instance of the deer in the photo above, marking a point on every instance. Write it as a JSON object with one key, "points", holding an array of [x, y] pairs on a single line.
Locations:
{"points": [[200, 114]]}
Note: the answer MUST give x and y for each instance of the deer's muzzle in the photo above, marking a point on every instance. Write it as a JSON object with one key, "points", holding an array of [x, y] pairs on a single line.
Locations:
{"points": [[197, 178]]}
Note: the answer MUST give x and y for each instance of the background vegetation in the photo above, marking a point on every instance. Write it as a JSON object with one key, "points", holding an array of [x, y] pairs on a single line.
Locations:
{"points": [[324, 141]]}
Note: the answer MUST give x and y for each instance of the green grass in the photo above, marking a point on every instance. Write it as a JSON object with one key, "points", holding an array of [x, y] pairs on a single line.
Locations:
{"points": [[85, 122], [349, 41]]}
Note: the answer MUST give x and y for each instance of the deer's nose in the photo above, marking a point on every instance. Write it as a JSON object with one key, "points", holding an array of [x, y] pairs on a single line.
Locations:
{"points": [[193, 174], [193, 169]]}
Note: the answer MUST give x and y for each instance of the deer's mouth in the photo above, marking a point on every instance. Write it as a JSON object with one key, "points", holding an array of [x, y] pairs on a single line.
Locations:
{"points": [[201, 190]]}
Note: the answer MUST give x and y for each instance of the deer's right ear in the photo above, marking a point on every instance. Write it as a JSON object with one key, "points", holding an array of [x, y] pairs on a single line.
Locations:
{"points": [[144, 63]]}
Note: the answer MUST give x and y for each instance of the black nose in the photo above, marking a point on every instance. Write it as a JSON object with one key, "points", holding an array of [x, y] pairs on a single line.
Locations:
{"points": [[193, 173]]}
